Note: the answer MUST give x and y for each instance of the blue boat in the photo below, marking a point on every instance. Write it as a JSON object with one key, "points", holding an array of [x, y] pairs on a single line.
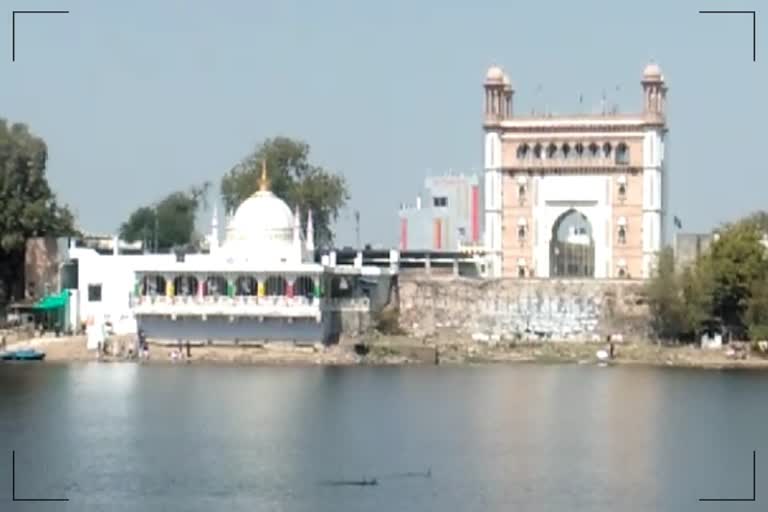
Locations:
{"points": [[26, 354]]}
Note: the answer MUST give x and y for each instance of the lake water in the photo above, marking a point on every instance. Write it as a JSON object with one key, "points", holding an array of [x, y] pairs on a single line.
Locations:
{"points": [[497, 438]]}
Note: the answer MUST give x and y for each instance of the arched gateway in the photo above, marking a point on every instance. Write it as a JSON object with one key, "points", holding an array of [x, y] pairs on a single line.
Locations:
{"points": [[572, 248]]}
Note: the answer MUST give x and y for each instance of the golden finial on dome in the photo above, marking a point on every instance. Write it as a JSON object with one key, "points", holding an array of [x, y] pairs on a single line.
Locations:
{"points": [[264, 180]]}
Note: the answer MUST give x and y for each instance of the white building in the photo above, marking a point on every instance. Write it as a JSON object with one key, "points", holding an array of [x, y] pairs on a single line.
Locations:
{"points": [[546, 172], [262, 284]]}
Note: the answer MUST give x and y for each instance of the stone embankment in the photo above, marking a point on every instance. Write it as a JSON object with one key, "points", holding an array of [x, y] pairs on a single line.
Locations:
{"points": [[520, 310]]}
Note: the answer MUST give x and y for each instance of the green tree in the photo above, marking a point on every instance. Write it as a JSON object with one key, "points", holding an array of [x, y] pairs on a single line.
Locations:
{"points": [[757, 310], [171, 222], [697, 288], [28, 206], [294, 179], [669, 317], [736, 262]]}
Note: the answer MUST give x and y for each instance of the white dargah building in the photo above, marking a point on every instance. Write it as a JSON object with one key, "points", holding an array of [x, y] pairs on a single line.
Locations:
{"points": [[261, 284]]}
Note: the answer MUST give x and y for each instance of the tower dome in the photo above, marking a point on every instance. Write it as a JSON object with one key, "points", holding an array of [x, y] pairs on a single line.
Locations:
{"points": [[262, 225], [652, 72], [494, 74]]}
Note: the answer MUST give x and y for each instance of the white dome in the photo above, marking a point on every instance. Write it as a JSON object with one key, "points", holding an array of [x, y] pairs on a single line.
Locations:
{"points": [[652, 71], [262, 220], [494, 74]]}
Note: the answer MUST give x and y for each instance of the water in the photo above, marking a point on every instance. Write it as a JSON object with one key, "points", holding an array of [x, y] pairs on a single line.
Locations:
{"points": [[497, 438]]}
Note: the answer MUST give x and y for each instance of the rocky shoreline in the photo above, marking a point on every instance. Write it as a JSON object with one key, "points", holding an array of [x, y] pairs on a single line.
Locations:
{"points": [[406, 351]]}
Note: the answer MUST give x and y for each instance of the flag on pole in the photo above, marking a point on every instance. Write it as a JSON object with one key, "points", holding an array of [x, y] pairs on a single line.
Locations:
{"points": [[678, 222]]}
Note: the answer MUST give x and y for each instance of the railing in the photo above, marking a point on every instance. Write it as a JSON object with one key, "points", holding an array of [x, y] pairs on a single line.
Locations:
{"points": [[570, 163], [185, 305]]}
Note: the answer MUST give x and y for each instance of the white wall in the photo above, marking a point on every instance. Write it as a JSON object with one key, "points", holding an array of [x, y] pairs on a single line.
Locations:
{"points": [[116, 275], [586, 194], [653, 198], [493, 201]]}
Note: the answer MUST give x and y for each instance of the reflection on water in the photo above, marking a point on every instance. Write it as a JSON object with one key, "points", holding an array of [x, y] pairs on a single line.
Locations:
{"points": [[129, 437]]}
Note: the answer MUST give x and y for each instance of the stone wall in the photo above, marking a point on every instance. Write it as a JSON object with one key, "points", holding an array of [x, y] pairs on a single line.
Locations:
{"points": [[41, 266], [523, 310]]}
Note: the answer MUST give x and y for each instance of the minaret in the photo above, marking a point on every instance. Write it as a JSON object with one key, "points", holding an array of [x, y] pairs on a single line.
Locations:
{"points": [[310, 242], [654, 168], [297, 231], [213, 242], [498, 107], [498, 95], [654, 91]]}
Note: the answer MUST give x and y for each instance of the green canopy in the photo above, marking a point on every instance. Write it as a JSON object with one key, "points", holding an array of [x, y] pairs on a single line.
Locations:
{"points": [[51, 302]]}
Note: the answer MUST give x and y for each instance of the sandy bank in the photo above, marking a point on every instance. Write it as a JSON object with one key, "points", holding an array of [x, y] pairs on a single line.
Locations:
{"points": [[403, 350]]}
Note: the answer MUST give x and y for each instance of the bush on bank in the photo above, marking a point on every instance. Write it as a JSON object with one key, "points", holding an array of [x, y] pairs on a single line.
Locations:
{"points": [[726, 286]]}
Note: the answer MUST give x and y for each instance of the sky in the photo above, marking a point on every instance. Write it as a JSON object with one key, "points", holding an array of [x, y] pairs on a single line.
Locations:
{"points": [[138, 99]]}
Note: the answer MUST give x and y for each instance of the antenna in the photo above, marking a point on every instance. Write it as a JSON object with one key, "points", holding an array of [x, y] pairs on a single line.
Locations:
{"points": [[539, 87], [602, 102]]}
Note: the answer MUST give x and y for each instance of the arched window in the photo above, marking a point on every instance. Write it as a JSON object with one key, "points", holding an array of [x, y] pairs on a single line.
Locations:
{"points": [[185, 285], [246, 286], [522, 151], [565, 150], [622, 154], [622, 187], [593, 150], [579, 150], [622, 264], [521, 194], [275, 286], [622, 233], [215, 285], [304, 286], [537, 151], [154, 285], [607, 149], [551, 150], [522, 230]]}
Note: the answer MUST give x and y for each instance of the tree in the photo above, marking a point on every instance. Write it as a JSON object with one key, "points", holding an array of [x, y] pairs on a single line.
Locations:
{"points": [[168, 224], [294, 179], [669, 317], [736, 262], [757, 310], [697, 288], [28, 207]]}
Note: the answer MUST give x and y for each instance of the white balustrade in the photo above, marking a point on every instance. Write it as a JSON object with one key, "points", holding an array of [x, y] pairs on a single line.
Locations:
{"points": [[229, 306]]}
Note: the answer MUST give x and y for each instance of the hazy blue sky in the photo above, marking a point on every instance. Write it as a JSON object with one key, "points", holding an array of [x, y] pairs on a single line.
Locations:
{"points": [[139, 98]]}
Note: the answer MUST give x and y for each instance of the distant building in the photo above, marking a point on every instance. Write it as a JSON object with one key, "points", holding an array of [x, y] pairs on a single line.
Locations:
{"points": [[688, 247], [446, 217]]}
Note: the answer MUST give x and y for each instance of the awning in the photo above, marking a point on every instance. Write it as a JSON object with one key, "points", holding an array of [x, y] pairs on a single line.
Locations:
{"points": [[51, 302]]}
